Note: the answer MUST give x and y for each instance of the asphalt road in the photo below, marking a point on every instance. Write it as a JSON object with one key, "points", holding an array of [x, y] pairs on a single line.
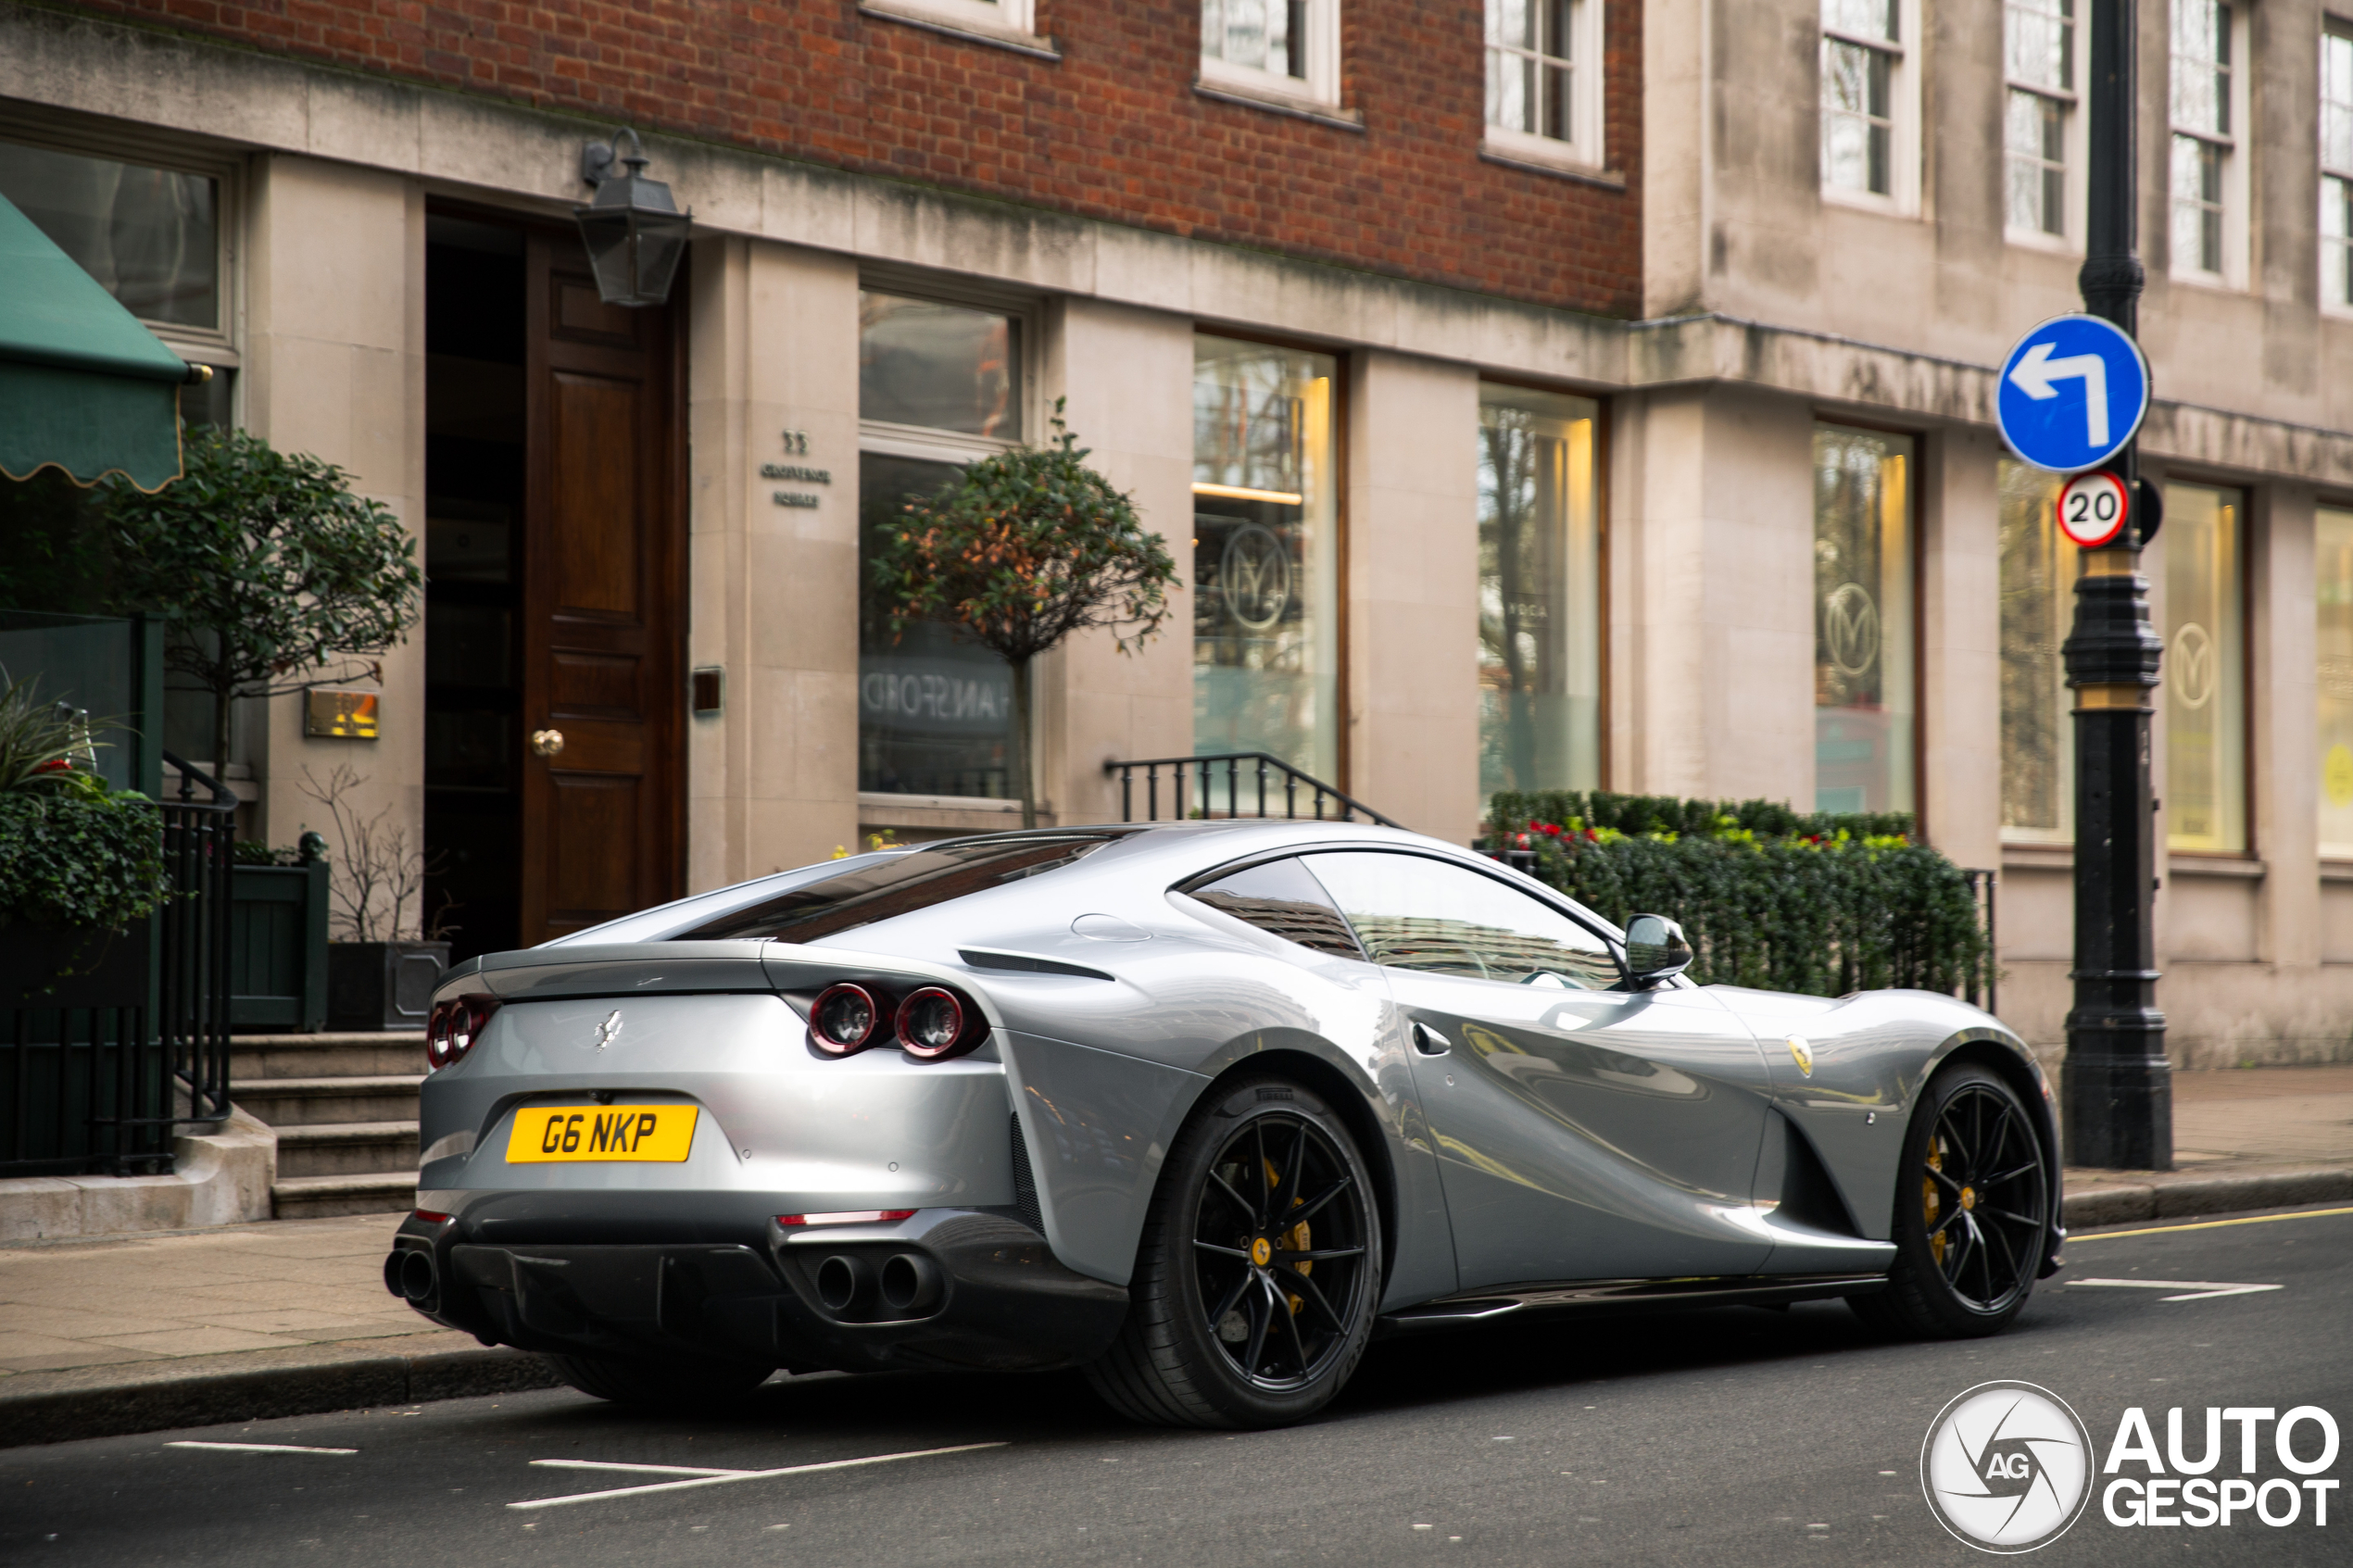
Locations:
{"points": [[1735, 1436]]}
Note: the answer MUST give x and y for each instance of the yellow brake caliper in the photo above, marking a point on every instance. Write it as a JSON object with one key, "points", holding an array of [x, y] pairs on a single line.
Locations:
{"points": [[1930, 1201], [1297, 1241]]}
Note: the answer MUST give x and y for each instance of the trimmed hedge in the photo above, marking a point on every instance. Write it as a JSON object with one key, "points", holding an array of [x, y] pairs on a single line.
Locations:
{"points": [[1771, 897]]}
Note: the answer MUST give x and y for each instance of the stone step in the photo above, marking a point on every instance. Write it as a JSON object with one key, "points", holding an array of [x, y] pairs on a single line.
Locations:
{"points": [[348, 1149], [319, 1198], [253, 1058], [312, 1103]]}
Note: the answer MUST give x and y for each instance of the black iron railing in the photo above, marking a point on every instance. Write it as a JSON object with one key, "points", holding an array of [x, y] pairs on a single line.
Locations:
{"points": [[1235, 783], [1987, 975], [192, 987], [111, 1040]]}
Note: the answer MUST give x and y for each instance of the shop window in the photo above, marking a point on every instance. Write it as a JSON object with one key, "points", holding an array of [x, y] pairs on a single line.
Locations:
{"points": [[2333, 609], [1539, 594], [2039, 569], [1544, 78], [150, 235], [2205, 671], [1289, 47], [1265, 554], [1863, 640], [2039, 64], [940, 384], [939, 366]]}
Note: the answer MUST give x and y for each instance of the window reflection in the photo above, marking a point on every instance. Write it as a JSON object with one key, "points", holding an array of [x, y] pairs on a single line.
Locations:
{"points": [[2205, 671], [1863, 698], [151, 236], [2039, 568], [2333, 609], [944, 367], [1539, 593], [935, 708], [1412, 912], [1265, 516]]}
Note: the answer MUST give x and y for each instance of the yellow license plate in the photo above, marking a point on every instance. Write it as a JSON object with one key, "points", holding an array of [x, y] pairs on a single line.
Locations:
{"points": [[546, 1133]]}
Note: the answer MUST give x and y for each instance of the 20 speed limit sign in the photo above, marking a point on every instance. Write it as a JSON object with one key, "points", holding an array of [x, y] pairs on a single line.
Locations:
{"points": [[2093, 509]]}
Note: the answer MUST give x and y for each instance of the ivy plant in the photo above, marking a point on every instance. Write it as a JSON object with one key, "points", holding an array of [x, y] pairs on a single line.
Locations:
{"points": [[1018, 552], [74, 853]]}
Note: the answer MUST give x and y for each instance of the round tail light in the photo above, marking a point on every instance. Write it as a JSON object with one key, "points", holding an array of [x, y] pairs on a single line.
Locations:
{"points": [[843, 1020], [932, 1024], [453, 1026]]}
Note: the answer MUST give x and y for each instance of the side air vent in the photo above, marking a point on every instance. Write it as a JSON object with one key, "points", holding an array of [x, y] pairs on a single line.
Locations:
{"points": [[1025, 1207], [1808, 1196], [1021, 963]]}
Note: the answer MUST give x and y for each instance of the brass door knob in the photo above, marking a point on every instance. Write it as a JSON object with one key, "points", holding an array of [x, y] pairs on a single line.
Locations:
{"points": [[547, 743]]}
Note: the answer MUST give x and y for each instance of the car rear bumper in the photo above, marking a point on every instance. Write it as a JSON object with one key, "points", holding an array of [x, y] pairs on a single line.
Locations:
{"points": [[979, 1289]]}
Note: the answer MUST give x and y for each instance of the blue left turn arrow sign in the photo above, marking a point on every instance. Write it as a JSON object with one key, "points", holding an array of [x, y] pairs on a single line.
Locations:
{"points": [[2073, 391]]}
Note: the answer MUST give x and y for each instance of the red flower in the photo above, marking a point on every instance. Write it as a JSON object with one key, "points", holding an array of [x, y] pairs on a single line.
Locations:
{"points": [[54, 765]]}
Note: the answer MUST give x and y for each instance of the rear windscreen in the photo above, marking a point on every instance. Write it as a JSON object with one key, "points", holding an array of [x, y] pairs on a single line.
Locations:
{"points": [[917, 879]]}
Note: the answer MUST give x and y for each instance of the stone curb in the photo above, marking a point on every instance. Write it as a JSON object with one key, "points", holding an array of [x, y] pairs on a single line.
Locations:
{"points": [[2170, 1195], [111, 1401]]}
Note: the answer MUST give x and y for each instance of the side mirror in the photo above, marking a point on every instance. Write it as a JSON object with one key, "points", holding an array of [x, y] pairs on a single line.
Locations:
{"points": [[1656, 950]]}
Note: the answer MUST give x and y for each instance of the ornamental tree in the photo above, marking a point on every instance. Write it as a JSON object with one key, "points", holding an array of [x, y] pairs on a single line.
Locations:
{"points": [[1018, 552], [268, 564]]}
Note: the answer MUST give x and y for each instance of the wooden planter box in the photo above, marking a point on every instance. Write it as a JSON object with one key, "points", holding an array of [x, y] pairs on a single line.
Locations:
{"points": [[278, 947], [78, 1052], [383, 984], [111, 966]]}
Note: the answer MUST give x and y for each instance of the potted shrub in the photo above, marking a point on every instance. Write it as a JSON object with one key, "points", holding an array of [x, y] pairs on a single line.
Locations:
{"points": [[386, 960], [1017, 552], [82, 865]]}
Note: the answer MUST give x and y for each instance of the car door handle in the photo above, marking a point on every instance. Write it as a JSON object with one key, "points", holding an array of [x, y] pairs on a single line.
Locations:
{"points": [[1430, 1042]]}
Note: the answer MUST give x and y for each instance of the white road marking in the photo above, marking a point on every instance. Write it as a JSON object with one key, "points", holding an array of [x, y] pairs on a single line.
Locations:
{"points": [[647, 1469], [261, 1449], [727, 1477], [2199, 1289]]}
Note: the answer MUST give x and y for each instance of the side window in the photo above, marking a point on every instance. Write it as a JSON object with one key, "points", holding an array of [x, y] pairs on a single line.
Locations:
{"points": [[1279, 896], [1412, 912]]}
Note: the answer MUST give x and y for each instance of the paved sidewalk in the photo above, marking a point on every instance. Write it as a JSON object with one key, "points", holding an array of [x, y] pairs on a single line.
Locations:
{"points": [[2262, 1138], [138, 1332]]}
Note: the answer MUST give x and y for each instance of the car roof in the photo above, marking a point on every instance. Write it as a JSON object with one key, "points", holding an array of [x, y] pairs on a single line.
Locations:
{"points": [[1167, 851]]}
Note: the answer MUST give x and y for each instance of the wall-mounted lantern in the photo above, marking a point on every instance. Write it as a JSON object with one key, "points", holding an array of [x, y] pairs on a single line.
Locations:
{"points": [[634, 232]]}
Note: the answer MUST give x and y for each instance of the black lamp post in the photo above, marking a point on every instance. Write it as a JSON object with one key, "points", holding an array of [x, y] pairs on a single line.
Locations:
{"points": [[2118, 1108], [634, 232]]}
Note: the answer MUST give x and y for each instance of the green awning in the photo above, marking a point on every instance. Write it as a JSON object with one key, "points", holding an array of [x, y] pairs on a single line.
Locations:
{"points": [[83, 386]]}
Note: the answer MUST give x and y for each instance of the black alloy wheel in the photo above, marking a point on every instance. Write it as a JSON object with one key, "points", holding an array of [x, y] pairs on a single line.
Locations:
{"points": [[1260, 1270], [1972, 1211]]}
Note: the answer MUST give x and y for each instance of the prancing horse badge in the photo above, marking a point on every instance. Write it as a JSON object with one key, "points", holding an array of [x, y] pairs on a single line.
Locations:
{"points": [[1799, 1052], [612, 1027]]}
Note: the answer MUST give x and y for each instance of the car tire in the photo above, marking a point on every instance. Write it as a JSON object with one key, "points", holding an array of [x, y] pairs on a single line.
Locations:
{"points": [[660, 1384], [1973, 1211], [1239, 1315]]}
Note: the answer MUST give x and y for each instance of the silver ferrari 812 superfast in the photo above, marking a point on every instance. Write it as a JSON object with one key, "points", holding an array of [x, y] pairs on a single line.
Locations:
{"points": [[1201, 1108]]}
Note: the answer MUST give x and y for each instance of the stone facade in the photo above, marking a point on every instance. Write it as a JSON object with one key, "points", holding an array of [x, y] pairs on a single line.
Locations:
{"points": [[1702, 285]]}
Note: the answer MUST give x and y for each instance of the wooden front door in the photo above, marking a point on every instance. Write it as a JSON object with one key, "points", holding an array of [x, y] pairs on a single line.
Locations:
{"points": [[604, 617]]}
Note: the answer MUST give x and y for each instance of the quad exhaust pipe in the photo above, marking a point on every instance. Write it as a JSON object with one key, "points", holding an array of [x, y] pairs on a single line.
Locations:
{"points": [[908, 1284]]}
